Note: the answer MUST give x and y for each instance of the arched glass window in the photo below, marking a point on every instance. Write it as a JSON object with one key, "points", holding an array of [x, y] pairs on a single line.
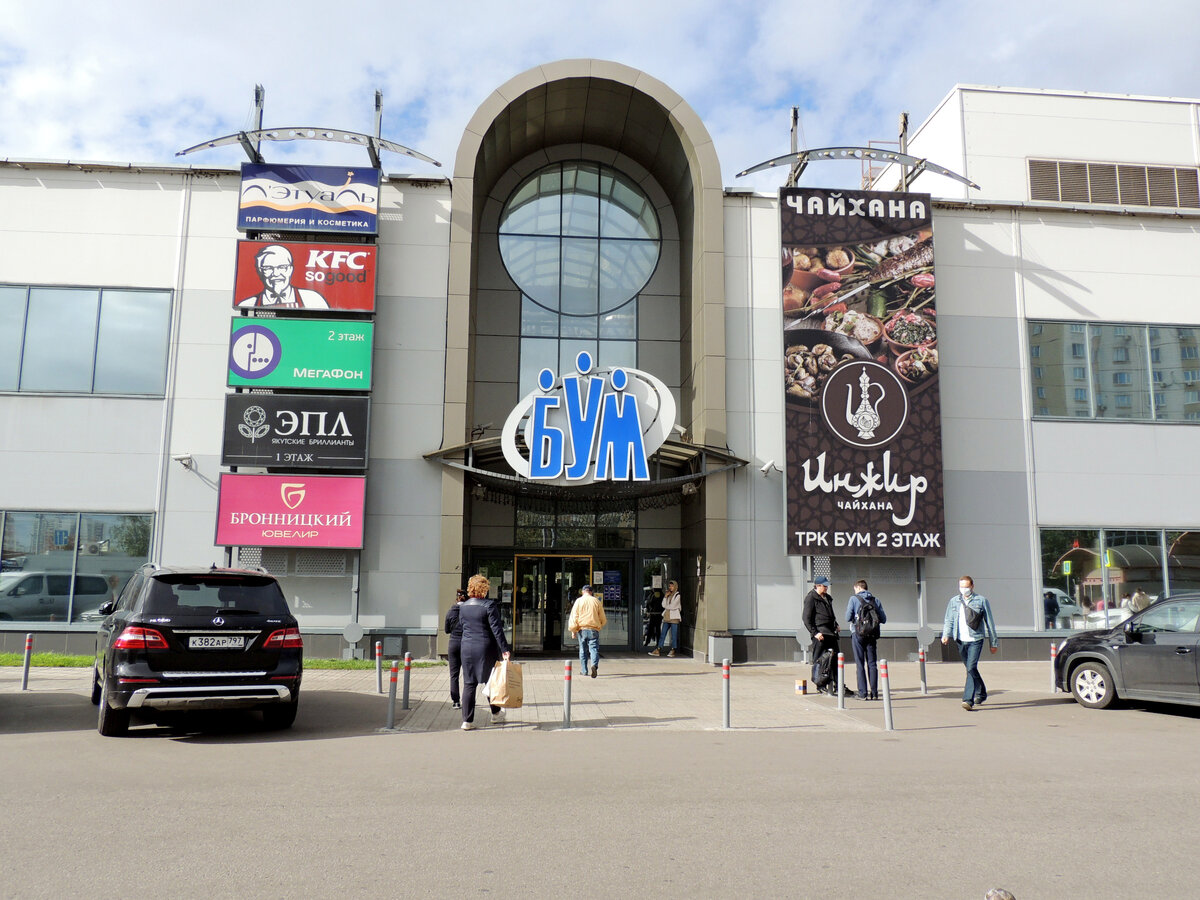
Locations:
{"points": [[581, 241]]}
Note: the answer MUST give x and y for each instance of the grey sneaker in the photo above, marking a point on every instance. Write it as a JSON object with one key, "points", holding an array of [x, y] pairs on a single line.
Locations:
{"points": [[468, 726], [968, 705], [498, 716]]}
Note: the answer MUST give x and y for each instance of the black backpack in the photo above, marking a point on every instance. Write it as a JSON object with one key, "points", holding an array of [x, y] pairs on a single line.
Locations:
{"points": [[866, 620], [822, 670]]}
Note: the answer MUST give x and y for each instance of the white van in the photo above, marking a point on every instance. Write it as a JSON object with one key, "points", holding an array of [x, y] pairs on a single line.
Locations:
{"points": [[45, 596]]}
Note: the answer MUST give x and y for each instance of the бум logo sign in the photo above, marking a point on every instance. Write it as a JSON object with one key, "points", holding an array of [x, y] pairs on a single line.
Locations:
{"points": [[601, 426]]}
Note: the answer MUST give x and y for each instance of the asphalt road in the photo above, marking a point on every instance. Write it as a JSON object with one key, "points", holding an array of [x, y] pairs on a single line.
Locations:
{"points": [[1031, 793]]}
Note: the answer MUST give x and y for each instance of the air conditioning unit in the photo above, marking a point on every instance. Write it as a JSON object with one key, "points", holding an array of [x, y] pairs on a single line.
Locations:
{"points": [[92, 549]]}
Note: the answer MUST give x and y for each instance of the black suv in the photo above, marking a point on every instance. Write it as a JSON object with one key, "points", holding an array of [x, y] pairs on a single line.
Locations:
{"points": [[1153, 655], [182, 639]]}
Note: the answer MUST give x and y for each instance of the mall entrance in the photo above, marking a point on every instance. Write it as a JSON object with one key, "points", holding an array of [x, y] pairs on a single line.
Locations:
{"points": [[535, 592]]}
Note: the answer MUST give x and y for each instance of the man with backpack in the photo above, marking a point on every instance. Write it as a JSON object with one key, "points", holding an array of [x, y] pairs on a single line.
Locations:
{"points": [[821, 622], [865, 614]]}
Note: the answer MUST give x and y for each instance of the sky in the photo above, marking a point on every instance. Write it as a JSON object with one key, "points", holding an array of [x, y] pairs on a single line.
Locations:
{"points": [[137, 81]]}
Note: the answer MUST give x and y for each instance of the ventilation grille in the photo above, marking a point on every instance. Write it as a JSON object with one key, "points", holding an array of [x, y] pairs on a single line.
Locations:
{"points": [[327, 563], [249, 557], [275, 560], [1116, 184]]}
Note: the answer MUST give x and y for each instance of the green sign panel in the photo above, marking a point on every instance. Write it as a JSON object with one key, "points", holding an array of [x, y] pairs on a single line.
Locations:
{"points": [[300, 353]]}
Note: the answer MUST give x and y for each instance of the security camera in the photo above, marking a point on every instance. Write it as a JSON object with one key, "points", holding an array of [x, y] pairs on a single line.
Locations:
{"points": [[768, 466], [184, 459]]}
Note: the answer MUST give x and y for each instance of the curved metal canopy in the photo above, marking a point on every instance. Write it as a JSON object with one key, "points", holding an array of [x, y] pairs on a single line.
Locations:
{"points": [[310, 133], [802, 158]]}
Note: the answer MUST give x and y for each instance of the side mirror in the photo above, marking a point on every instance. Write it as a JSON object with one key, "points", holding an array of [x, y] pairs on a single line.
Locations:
{"points": [[106, 607], [1131, 636]]}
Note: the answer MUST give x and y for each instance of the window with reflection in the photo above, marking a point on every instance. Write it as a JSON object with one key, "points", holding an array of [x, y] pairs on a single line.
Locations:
{"points": [[580, 240], [84, 340]]}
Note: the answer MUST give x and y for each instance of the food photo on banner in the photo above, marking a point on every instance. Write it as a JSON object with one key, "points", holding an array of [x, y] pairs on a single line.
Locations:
{"points": [[862, 405]]}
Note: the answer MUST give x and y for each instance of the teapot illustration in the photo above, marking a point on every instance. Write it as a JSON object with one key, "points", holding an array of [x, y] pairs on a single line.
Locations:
{"points": [[866, 417]]}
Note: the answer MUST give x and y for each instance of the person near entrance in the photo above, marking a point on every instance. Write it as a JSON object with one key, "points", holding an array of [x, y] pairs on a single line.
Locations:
{"points": [[483, 644], [454, 650], [672, 615], [968, 621], [821, 622], [864, 614], [586, 619], [652, 617]]}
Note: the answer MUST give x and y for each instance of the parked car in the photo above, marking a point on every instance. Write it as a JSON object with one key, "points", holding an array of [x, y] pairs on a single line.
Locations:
{"points": [[1150, 656], [46, 596], [197, 639]]}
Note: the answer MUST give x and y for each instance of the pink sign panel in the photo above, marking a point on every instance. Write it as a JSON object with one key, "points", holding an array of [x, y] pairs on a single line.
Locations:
{"points": [[290, 511]]}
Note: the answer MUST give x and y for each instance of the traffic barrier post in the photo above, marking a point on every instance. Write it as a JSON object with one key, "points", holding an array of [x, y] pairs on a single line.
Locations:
{"points": [[567, 694], [407, 674], [725, 692], [391, 717], [379, 666], [25, 665], [1053, 666], [887, 696], [841, 685], [924, 680]]}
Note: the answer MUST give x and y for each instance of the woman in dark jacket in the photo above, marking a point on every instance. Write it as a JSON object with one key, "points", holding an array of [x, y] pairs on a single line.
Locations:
{"points": [[454, 652], [483, 643]]}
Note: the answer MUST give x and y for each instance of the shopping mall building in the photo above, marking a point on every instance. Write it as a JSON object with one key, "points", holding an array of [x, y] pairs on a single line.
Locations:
{"points": [[588, 230]]}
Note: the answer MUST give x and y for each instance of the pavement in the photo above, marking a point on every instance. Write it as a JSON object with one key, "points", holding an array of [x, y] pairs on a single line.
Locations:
{"points": [[661, 693], [646, 794]]}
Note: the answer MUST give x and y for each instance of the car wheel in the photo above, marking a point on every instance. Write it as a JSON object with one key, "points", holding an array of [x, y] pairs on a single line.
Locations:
{"points": [[111, 722], [281, 715], [95, 688], [1092, 686]]}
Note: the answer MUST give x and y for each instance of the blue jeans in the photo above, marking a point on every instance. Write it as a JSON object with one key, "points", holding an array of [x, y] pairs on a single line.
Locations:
{"points": [[866, 661], [671, 628], [974, 689], [589, 645]]}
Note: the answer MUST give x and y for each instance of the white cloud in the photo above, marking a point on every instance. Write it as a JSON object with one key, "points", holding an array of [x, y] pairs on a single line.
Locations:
{"points": [[139, 81]]}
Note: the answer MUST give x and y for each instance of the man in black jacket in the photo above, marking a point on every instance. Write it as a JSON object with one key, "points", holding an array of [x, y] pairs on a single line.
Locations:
{"points": [[822, 624]]}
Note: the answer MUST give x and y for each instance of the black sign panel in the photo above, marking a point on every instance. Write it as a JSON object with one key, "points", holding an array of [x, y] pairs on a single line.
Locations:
{"points": [[295, 431]]}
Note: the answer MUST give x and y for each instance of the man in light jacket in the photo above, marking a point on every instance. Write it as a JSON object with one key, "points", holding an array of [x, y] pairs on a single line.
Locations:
{"points": [[586, 619], [970, 640]]}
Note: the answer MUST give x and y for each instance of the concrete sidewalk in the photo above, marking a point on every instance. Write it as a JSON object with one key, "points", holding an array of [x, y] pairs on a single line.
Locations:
{"points": [[652, 693]]}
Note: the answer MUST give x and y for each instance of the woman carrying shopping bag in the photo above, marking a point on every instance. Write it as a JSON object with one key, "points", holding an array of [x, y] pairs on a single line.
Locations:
{"points": [[672, 605], [483, 643]]}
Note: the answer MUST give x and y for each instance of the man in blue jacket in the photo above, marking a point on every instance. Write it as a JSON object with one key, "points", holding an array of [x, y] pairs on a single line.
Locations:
{"points": [[865, 614], [968, 620]]}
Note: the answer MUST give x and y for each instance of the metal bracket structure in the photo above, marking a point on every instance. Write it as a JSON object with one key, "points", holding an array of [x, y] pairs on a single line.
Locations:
{"points": [[252, 139], [799, 162]]}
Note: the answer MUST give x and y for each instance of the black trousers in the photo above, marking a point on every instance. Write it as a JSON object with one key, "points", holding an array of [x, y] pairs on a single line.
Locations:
{"points": [[468, 697], [866, 663], [454, 658]]}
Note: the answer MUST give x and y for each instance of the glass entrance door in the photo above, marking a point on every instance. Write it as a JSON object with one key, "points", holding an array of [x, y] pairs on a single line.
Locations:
{"points": [[544, 589]]}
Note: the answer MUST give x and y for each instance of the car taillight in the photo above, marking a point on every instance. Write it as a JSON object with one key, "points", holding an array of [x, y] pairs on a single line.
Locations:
{"points": [[285, 638], [134, 638]]}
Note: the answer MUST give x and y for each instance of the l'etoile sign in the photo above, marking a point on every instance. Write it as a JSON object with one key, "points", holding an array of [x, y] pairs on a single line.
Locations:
{"points": [[300, 431], [290, 511], [308, 198], [600, 425]]}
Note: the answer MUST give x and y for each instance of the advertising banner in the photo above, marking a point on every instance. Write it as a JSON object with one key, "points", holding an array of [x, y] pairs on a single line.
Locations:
{"points": [[311, 277], [302, 431], [300, 353], [336, 199], [862, 406], [290, 511]]}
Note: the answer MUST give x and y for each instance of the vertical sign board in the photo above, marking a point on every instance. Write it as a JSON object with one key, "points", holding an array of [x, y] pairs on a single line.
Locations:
{"points": [[290, 511], [301, 431], [332, 199], [305, 276], [862, 406], [318, 354]]}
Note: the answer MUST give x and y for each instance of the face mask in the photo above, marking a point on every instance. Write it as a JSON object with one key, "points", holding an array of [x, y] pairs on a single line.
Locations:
{"points": [[965, 591]]}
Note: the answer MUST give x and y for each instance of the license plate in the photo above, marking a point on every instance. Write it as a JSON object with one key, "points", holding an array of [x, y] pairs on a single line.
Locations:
{"points": [[216, 642]]}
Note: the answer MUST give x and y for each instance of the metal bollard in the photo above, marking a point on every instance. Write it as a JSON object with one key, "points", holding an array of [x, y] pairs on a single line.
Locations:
{"points": [[379, 665], [1053, 665], [841, 687], [887, 696], [407, 673], [28, 657], [924, 680], [725, 692], [391, 719], [567, 694]]}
